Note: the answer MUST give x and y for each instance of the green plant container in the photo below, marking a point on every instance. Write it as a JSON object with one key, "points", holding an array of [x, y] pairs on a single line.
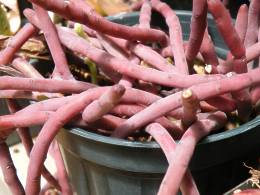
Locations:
{"points": [[100, 165]]}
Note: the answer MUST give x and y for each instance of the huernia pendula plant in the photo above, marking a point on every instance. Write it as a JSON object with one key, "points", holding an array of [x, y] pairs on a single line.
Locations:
{"points": [[139, 83]]}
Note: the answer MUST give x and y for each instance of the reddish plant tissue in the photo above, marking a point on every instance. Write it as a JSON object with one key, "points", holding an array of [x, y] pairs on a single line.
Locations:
{"points": [[148, 84], [248, 192]]}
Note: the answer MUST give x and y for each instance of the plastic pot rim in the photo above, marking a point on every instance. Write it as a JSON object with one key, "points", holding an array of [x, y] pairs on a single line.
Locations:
{"points": [[136, 144], [125, 15]]}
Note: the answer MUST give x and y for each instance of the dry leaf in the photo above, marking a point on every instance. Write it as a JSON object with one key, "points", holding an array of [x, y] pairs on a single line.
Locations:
{"points": [[111, 7], [10, 71], [13, 14], [95, 5], [33, 46], [4, 23], [199, 69]]}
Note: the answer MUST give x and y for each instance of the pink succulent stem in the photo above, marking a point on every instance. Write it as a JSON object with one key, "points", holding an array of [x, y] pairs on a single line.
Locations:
{"points": [[168, 145], [208, 51], [17, 94], [103, 104], [175, 32], [26, 68], [9, 170], [79, 11], [169, 103], [185, 149], [51, 127], [241, 22], [198, 26], [43, 85], [61, 69], [145, 15], [224, 24], [27, 141], [62, 175], [190, 105], [253, 23], [16, 42]]}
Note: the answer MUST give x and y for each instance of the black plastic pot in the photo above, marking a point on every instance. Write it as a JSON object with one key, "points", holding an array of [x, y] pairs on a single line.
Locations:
{"points": [[100, 165]]}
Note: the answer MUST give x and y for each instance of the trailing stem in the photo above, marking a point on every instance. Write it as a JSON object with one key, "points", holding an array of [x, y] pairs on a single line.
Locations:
{"points": [[9, 170], [61, 69], [145, 15], [175, 33], [62, 175], [79, 11], [184, 151], [168, 145], [24, 134], [16, 42], [52, 126], [198, 26]]}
